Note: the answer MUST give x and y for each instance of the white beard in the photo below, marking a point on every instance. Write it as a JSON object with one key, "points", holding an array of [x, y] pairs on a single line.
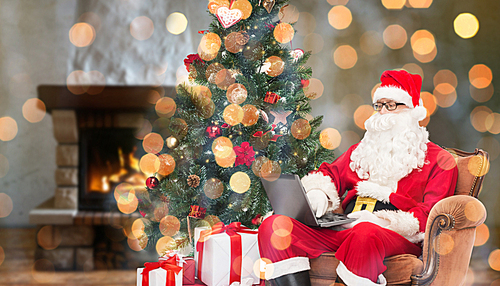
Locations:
{"points": [[393, 146]]}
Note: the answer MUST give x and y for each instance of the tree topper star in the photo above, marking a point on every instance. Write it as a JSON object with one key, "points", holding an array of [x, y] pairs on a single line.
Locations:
{"points": [[280, 116]]}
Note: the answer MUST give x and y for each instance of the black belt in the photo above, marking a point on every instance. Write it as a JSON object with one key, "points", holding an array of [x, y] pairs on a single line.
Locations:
{"points": [[363, 203]]}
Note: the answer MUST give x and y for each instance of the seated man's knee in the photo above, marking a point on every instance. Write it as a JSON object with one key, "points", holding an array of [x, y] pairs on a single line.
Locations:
{"points": [[272, 224]]}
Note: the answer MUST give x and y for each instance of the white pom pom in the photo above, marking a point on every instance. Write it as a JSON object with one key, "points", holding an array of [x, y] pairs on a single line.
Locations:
{"points": [[419, 112]]}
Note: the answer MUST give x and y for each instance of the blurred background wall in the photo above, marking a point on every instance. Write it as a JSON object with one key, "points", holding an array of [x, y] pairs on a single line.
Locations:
{"points": [[453, 44]]}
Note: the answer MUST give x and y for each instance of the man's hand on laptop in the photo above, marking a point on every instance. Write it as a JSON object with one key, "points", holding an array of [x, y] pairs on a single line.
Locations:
{"points": [[319, 201]]}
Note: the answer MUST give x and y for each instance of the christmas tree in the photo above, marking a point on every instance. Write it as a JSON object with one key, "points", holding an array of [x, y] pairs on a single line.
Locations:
{"points": [[241, 118]]}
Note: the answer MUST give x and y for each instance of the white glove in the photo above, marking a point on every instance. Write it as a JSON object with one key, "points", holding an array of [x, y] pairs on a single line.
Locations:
{"points": [[365, 216], [319, 201]]}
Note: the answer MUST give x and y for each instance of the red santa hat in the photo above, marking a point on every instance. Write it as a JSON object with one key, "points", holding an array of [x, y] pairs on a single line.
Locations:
{"points": [[402, 86]]}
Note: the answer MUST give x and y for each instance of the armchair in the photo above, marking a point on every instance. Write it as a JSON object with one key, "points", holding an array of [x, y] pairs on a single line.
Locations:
{"points": [[449, 235]]}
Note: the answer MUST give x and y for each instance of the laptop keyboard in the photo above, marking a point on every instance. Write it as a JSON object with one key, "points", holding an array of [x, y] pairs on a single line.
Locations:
{"points": [[328, 217]]}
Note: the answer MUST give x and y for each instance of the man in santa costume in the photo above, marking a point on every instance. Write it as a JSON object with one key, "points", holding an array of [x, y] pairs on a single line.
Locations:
{"points": [[391, 180]]}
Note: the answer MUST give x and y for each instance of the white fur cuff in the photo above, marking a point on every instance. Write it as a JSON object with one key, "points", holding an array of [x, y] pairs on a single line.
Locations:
{"points": [[352, 279], [395, 93], [287, 266], [324, 183], [404, 223], [374, 190]]}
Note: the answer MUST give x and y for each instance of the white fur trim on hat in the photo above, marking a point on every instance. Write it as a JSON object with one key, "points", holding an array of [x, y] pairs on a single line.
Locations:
{"points": [[395, 93], [352, 279], [285, 267], [319, 181], [374, 190], [404, 223], [419, 112]]}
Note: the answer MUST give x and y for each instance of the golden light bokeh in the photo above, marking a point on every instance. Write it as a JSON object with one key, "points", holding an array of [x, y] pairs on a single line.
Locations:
{"points": [[393, 4], [240, 182], [149, 164], [289, 14], [178, 127], [49, 237], [478, 118], [219, 143], [306, 24], [138, 227], [478, 166], [330, 138], [426, 58], [250, 115], [282, 230], [142, 28], [82, 34], [209, 46], [482, 94], [164, 244], [233, 42], [482, 235], [494, 260], [160, 211], [169, 225], [422, 42], [224, 79], [280, 242], [345, 57], [314, 43], [43, 271], [176, 23], [153, 143], [315, 89], [283, 33], [276, 66], [361, 114], [244, 6], [491, 144], [34, 110], [430, 102], [236, 93], [445, 77], [78, 82], [337, 2], [420, 3], [167, 164], [4, 166], [212, 71], [135, 244], [444, 243], [6, 205], [414, 68], [340, 17], [228, 161], [301, 129], [257, 165], [395, 36], [445, 161], [270, 170], [213, 188], [92, 19], [474, 211], [233, 114], [492, 123], [144, 130], [126, 199], [480, 76], [8, 128], [445, 100], [165, 107], [263, 266], [371, 43], [466, 25]]}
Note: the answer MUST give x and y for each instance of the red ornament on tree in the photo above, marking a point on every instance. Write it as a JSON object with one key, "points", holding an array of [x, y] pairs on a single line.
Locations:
{"points": [[191, 59], [214, 131], [304, 83], [152, 182], [271, 97]]}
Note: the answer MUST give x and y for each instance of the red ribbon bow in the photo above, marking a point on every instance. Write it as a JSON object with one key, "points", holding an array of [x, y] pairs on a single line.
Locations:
{"points": [[261, 133], [236, 253], [170, 265]]}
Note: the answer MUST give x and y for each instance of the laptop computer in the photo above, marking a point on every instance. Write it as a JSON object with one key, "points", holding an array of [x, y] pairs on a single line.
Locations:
{"points": [[288, 197]]}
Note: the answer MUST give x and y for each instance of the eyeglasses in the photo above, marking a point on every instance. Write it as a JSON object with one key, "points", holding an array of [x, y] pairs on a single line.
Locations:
{"points": [[389, 105]]}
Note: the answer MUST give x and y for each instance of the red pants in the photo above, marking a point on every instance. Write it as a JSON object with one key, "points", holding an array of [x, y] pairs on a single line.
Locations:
{"points": [[362, 248]]}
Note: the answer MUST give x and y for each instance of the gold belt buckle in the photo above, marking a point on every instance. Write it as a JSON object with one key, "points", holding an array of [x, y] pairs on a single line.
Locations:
{"points": [[363, 203]]}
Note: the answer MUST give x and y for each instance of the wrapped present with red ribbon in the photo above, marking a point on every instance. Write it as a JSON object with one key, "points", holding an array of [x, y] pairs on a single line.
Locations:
{"points": [[271, 97], [226, 254], [187, 264], [165, 272]]}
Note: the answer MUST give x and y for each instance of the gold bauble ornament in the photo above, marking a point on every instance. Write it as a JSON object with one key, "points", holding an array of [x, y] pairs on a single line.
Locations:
{"points": [[283, 33], [172, 142]]}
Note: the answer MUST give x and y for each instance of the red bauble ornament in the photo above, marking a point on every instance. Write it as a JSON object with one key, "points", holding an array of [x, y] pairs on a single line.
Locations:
{"points": [[214, 131], [271, 97], [304, 83], [152, 182]]}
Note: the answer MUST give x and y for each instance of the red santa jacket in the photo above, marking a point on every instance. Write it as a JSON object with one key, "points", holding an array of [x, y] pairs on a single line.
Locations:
{"points": [[416, 193]]}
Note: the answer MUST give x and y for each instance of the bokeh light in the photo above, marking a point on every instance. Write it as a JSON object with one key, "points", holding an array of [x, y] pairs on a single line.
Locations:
{"points": [[444, 243], [92, 19], [209, 46], [8, 128], [224, 79], [422, 42], [4, 166], [313, 43], [142, 28], [34, 110], [395, 37], [282, 230], [339, 17], [138, 227], [466, 25], [176, 23], [236, 93], [315, 89], [240, 182], [257, 165], [337, 2], [169, 225], [445, 161], [482, 94], [49, 237], [125, 197], [213, 188], [165, 107], [425, 58], [361, 114], [270, 170], [494, 260], [144, 129], [371, 43], [478, 118], [275, 66], [289, 14], [82, 34], [152, 143], [43, 271], [482, 235], [491, 144], [149, 164], [480, 76], [393, 4], [167, 164], [414, 68], [164, 244], [445, 81], [345, 57], [233, 114], [478, 166], [212, 71], [80, 82], [330, 138], [301, 129], [250, 115], [445, 99], [420, 3], [492, 123], [305, 25], [6, 205], [430, 102], [283, 33]]}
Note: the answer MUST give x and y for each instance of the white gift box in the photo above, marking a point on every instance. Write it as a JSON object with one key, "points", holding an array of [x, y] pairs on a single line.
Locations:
{"points": [[158, 277], [216, 262]]}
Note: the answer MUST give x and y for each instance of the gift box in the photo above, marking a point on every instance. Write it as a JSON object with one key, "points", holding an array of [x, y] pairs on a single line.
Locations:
{"points": [[165, 272], [189, 271], [226, 255]]}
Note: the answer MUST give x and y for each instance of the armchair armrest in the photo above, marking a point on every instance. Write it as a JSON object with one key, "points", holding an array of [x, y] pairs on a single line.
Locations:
{"points": [[449, 238]]}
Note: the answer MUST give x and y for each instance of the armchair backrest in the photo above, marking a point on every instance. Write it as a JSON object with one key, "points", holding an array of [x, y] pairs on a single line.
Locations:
{"points": [[472, 166]]}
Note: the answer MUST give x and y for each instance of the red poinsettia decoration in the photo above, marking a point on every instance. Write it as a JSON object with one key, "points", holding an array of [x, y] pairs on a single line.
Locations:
{"points": [[244, 154], [214, 131], [191, 59]]}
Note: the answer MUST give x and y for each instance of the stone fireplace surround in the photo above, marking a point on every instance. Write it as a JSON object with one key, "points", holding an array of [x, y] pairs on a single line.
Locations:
{"points": [[70, 232]]}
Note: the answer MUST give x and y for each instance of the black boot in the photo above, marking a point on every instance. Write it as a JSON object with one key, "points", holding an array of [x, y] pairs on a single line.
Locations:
{"points": [[293, 279]]}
